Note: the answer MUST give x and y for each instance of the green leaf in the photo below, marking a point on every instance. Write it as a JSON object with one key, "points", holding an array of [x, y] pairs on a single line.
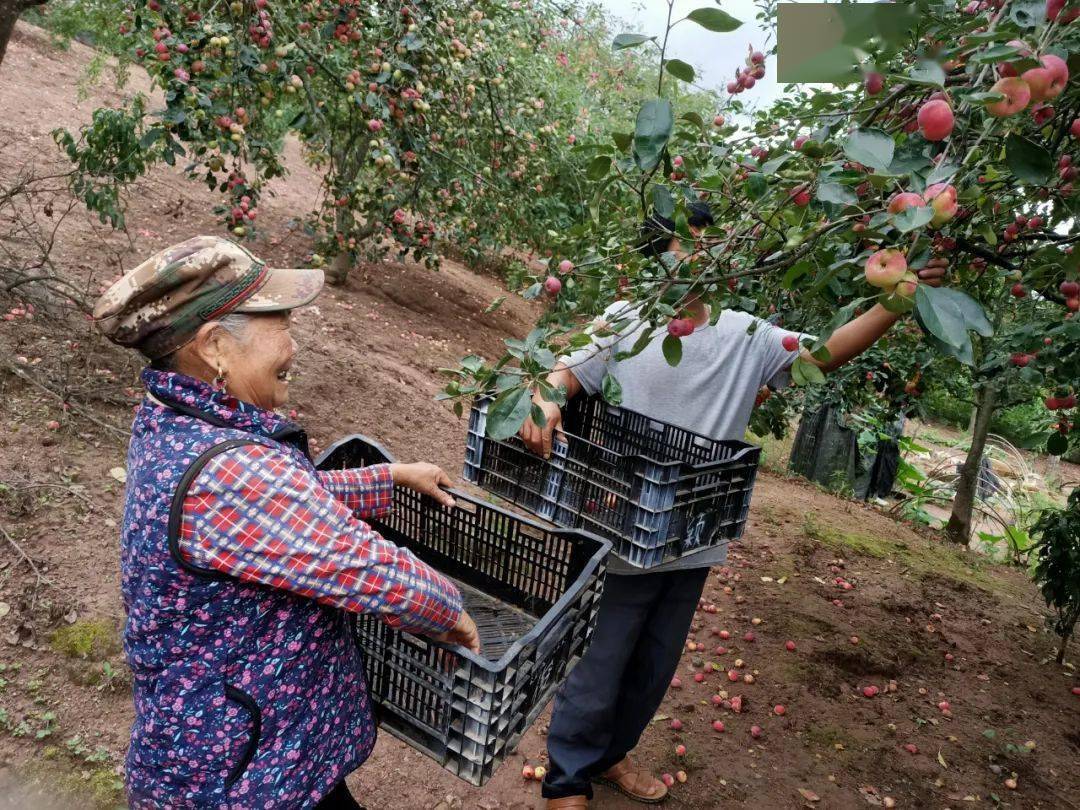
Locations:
{"points": [[996, 53], [663, 203], [628, 41], [806, 371], [756, 187], [769, 167], [693, 118], [611, 390], [796, 371], [151, 137], [713, 19], [507, 413], [836, 193], [870, 147], [622, 140], [794, 273], [974, 316], [600, 166], [679, 69], [652, 131], [964, 353], [911, 218], [941, 316], [537, 414], [928, 73], [672, 347], [941, 173], [644, 339], [494, 305], [1026, 159]]}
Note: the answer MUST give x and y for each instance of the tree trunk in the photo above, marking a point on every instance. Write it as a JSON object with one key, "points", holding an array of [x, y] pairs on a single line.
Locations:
{"points": [[958, 528], [338, 270], [1061, 649], [9, 15]]}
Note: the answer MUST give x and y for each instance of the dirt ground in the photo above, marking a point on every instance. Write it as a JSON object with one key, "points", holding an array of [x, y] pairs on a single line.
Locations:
{"points": [[866, 600]]}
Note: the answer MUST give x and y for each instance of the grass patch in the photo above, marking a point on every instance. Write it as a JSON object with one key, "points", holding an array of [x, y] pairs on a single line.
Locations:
{"points": [[922, 557], [774, 452], [96, 787], [88, 638], [828, 736], [801, 625]]}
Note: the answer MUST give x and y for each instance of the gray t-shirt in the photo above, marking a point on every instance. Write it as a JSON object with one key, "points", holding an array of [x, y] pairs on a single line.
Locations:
{"points": [[710, 392]]}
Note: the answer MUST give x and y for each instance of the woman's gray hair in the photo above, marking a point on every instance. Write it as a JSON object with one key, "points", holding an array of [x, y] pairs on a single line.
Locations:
{"points": [[235, 323]]}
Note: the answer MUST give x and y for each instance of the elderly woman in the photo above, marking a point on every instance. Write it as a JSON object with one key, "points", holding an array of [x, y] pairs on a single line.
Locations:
{"points": [[240, 560]]}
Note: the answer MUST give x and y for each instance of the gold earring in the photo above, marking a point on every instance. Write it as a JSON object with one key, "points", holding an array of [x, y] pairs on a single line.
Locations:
{"points": [[219, 381]]}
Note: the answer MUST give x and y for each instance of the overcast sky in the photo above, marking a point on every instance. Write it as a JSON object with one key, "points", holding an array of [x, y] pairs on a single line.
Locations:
{"points": [[714, 56]]}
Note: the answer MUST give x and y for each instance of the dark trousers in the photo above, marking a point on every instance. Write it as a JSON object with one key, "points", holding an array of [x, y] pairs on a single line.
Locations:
{"points": [[338, 799], [617, 686]]}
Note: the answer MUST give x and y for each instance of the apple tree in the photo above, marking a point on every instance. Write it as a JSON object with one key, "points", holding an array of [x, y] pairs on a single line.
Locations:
{"points": [[431, 125], [955, 144]]}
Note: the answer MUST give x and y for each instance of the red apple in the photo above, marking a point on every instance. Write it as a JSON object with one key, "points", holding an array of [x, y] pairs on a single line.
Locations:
{"points": [[942, 198], [873, 83], [1070, 289], [936, 120], [885, 268], [1039, 80], [1059, 74], [905, 200], [552, 285], [1017, 97]]}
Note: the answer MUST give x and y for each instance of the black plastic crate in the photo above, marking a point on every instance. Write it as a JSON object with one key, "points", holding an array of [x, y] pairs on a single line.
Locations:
{"points": [[657, 491], [533, 592]]}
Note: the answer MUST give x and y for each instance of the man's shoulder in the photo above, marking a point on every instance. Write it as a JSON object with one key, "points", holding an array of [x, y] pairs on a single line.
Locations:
{"points": [[735, 320], [621, 310]]}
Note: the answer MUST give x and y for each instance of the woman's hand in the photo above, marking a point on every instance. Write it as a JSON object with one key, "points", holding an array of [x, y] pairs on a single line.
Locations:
{"points": [[423, 478], [463, 633]]}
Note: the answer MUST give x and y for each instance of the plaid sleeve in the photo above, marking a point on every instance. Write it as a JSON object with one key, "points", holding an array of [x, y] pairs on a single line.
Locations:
{"points": [[254, 514], [367, 491]]}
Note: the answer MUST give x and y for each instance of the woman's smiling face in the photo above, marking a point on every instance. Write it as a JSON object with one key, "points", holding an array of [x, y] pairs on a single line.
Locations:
{"points": [[257, 361]]}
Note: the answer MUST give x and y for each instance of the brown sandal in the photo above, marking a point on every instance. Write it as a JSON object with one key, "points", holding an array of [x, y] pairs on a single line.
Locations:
{"points": [[568, 803], [634, 783]]}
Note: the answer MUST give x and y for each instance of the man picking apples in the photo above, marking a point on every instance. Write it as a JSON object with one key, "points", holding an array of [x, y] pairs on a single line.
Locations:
{"points": [[616, 688]]}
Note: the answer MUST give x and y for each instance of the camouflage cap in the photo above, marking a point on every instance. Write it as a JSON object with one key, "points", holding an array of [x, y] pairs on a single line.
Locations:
{"points": [[158, 306]]}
